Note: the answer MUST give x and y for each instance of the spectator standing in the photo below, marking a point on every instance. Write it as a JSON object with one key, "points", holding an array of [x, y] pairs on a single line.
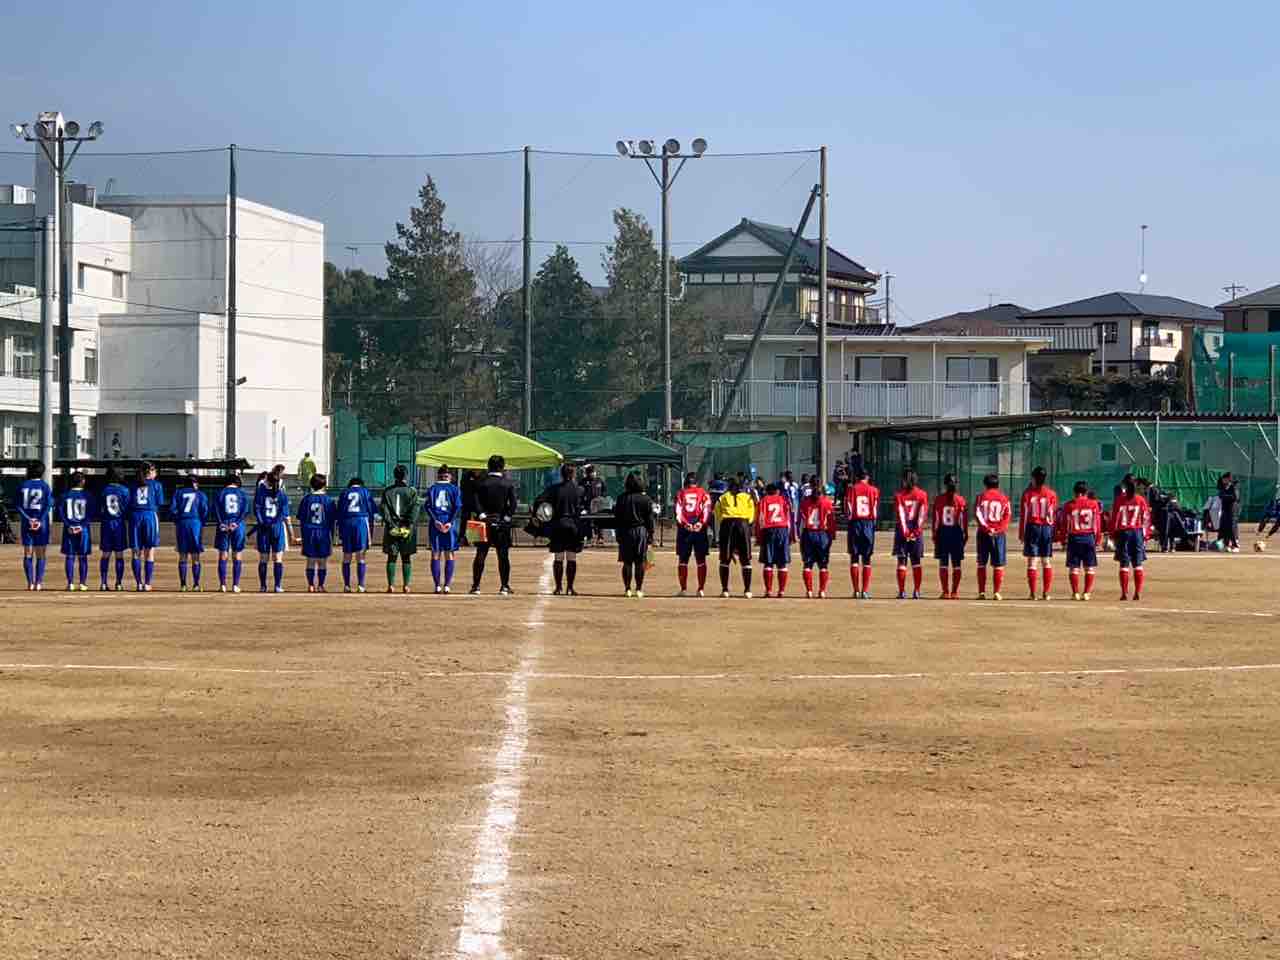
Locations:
{"points": [[1228, 526]]}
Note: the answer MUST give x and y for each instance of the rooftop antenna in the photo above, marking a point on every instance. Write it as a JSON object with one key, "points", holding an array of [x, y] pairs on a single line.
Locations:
{"points": [[1142, 261], [1233, 290]]}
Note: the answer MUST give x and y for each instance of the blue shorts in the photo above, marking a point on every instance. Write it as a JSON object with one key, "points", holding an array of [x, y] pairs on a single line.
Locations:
{"points": [[77, 544], [34, 538], [317, 542], [992, 549], [1131, 548], [1082, 551], [775, 547], [144, 531], [689, 543], [908, 551], [231, 541], [114, 536], [442, 541], [354, 534], [189, 537], [815, 547], [948, 546], [1038, 541], [272, 538], [862, 540]]}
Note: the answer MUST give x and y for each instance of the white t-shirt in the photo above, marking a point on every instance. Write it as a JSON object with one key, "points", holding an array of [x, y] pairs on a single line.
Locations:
{"points": [[1214, 506]]}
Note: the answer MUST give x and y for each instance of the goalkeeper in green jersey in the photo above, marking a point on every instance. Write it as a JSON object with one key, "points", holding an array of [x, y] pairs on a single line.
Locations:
{"points": [[400, 504]]}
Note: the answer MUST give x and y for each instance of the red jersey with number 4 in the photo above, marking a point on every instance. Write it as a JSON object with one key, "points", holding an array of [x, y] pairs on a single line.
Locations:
{"points": [[993, 511], [773, 513], [910, 508], [693, 507], [1082, 517], [818, 514], [1131, 513], [950, 511], [1039, 508], [862, 501]]}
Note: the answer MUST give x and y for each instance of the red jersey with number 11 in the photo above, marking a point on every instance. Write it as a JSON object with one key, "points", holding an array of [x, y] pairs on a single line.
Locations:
{"points": [[1039, 508], [993, 512]]}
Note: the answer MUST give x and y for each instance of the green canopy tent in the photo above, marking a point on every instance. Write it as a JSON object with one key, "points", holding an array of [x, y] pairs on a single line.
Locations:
{"points": [[472, 450], [617, 448]]}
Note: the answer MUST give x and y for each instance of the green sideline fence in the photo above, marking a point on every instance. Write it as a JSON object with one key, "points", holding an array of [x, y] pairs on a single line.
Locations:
{"points": [[1235, 372], [1185, 455]]}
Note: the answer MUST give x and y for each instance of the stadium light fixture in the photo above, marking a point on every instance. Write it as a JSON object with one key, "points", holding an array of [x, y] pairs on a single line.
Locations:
{"points": [[699, 146], [624, 148], [671, 147], [71, 129], [96, 129], [646, 147], [19, 130]]}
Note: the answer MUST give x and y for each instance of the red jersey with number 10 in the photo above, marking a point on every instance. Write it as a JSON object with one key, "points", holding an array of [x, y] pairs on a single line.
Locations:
{"points": [[862, 501], [1039, 508], [910, 508], [1131, 513], [818, 514], [693, 507], [993, 512], [774, 513], [1083, 518]]}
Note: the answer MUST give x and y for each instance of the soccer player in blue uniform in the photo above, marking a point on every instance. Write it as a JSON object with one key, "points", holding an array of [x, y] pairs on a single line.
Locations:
{"points": [[113, 534], [316, 516], [230, 511], [75, 510], [35, 505], [190, 511], [444, 506], [271, 510], [145, 501], [354, 510]]}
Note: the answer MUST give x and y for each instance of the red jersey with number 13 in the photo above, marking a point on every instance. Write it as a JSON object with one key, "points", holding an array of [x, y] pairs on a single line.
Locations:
{"points": [[1083, 518], [993, 511]]}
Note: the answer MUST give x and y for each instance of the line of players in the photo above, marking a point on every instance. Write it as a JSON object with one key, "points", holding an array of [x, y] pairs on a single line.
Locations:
{"points": [[1078, 525]]}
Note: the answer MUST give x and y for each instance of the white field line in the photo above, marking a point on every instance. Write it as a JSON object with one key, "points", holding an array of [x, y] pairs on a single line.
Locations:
{"points": [[484, 913]]}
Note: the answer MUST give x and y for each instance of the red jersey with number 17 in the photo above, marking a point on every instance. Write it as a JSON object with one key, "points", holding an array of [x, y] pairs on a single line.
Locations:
{"points": [[910, 508], [1039, 508], [818, 514], [862, 501], [774, 513], [1083, 518], [693, 507], [993, 512], [1131, 513]]}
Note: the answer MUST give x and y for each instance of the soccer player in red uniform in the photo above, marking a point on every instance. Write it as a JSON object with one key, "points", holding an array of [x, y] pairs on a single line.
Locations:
{"points": [[817, 530], [910, 507], [693, 518], [992, 512], [1036, 528], [1082, 521], [774, 530], [862, 504], [1130, 527], [950, 534]]}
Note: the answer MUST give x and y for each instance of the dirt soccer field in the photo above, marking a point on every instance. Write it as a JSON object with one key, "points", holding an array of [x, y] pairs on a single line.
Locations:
{"points": [[545, 777]]}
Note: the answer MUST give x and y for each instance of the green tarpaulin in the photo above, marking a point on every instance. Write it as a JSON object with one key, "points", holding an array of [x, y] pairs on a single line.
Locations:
{"points": [[472, 450], [610, 447]]}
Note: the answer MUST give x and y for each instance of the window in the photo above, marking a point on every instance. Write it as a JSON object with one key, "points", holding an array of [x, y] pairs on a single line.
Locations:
{"points": [[1273, 321], [1193, 451], [80, 277], [877, 369], [809, 303], [90, 364], [24, 357], [1150, 333], [1110, 332], [117, 284], [972, 370], [24, 443], [57, 361], [1107, 453], [795, 368]]}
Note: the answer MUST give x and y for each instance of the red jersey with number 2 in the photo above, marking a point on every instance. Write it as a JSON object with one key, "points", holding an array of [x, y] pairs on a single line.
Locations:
{"points": [[910, 508], [818, 514], [993, 511], [862, 501], [774, 513]]}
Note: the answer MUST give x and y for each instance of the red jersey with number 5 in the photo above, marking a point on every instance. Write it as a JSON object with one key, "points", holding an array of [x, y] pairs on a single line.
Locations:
{"points": [[910, 508], [774, 513], [862, 501], [1039, 508], [993, 512], [1131, 513], [1083, 518], [818, 513], [693, 507]]}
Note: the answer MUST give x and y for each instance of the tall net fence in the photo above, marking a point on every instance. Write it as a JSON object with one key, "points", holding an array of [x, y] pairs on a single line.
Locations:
{"points": [[1185, 459], [1235, 372]]}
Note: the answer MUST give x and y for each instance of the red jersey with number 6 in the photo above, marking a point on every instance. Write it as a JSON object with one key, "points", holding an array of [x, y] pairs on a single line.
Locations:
{"points": [[993, 511], [862, 501], [693, 507]]}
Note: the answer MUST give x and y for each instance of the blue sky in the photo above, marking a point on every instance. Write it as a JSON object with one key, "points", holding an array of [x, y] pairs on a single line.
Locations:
{"points": [[1003, 149]]}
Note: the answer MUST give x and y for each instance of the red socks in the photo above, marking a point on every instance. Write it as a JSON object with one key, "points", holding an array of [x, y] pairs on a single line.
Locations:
{"points": [[955, 581], [682, 571], [768, 580], [702, 575], [824, 580], [853, 576], [783, 576], [1048, 580], [997, 578], [982, 579], [1033, 580], [945, 579], [1139, 580], [808, 580], [866, 578], [917, 577], [1124, 582], [902, 579], [1089, 578], [1073, 575]]}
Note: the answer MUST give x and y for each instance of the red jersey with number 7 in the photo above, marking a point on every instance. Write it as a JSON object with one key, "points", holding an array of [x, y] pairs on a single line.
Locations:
{"points": [[1039, 508], [910, 508], [818, 514], [774, 513], [693, 507], [862, 501], [993, 512]]}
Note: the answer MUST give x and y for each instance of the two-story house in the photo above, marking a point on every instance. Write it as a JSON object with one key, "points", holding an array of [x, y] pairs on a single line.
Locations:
{"points": [[1257, 312]]}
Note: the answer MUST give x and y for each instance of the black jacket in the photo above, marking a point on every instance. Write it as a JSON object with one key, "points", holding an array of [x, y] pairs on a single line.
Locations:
{"points": [[494, 496], [634, 510], [566, 503]]}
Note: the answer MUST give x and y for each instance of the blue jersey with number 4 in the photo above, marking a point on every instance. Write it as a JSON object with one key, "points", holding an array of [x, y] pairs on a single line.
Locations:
{"points": [[444, 502]]}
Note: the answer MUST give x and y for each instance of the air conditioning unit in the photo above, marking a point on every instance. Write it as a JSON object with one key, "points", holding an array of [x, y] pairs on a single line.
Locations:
{"points": [[85, 194], [16, 194], [22, 290]]}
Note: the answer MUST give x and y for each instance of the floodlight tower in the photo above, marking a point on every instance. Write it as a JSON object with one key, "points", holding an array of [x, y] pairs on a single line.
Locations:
{"points": [[644, 150]]}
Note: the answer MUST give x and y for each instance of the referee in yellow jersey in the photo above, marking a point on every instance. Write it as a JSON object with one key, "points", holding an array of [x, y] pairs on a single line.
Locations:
{"points": [[735, 513]]}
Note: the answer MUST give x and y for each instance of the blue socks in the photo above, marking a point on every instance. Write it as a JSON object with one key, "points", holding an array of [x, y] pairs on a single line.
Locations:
{"points": [[40, 562], [83, 565], [346, 575], [150, 568], [29, 569], [278, 574], [104, 565], [222, 572], [321, 575], [71, 571], [119, 570], [361, 569], [311, 576], [182, 573], [237, 568], [195, 573], [262, 575], [136, 565], [448, 572], [435, 572]]}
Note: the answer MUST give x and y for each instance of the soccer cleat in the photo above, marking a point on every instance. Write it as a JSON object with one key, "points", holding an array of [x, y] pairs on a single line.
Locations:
{"points": [[747, 595], [1124, 597], [822, 594], [71, 588], [139, 588], [915, 595], [628, 593], [1075, 596], [39, 587], [84, 588], [639, 594], [475, 592], [197, 589], [1086, 596], [682, 594], [503, 591], [438, 589], [945, 596], [361, 590], [279, 589], [321, 590], [1033, 597], [104, 588], [808, 594], [1137, 596], [571, 592], [406, 589], [724, 594], [183, 588], [996, 596], [982, 595], [557, 592], [235, 589], [147, 588], [701, 593], [222, 588], [902, 595], [1044, 596], [311, 588], [119, 588], [446, 588]]}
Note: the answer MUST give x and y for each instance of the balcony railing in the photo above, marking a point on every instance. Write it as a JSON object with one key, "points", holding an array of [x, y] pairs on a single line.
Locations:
{"points": [[874, 400]]}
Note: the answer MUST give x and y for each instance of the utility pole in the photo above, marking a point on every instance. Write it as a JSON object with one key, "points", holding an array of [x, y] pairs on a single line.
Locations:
{"points": [[232, 380], [526, 294], [823, 315], [1233, 290], [887, 301], [48, 293]]}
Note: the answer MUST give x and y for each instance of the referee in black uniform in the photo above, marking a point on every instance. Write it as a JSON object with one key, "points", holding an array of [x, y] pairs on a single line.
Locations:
{"points": [[564, 528], [494, 502]]}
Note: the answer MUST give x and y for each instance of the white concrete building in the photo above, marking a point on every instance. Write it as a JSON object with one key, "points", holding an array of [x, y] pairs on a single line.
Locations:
{"points": [[148, 312]]}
